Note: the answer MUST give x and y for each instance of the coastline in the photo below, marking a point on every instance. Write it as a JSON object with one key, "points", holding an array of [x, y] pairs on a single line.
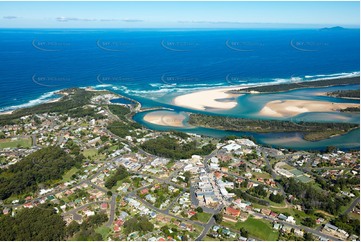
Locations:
{"points": [[53, 100]]}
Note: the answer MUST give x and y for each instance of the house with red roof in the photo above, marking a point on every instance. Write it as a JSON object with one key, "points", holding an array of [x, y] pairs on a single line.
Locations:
{"points": [[28, 205], [104, 206], [233, 211], [144, 191]]}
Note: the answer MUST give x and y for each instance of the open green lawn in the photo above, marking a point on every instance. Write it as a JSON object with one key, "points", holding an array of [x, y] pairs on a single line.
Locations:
{"points": [[304, 179], [203, 217], [208, 238], [287, 167], [104, 231], [263, 175], [113, 148], [68, 174], [22, 142], [93, 154], [256, 227], [90, 152], [354, 215]]}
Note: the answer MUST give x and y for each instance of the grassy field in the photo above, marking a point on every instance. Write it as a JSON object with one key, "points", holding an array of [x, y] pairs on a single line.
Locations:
{"points": [[208, 238], [90, 152], [256, 227], [263, 175], [68, 174], [93, 154], [104, 231], [203, 217], [22, 142]]}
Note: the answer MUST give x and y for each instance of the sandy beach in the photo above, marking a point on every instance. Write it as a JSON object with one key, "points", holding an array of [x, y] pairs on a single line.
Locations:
{"points": [[165, 118], [207, 99], [289, 108], [6, 112]]}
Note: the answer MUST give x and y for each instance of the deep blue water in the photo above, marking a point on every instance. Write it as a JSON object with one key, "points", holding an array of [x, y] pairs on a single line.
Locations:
{"points": [[153, 66], [35, 62]]}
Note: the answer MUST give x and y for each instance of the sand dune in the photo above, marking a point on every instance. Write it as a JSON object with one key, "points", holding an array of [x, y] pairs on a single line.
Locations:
{"points": [[289, 108]]}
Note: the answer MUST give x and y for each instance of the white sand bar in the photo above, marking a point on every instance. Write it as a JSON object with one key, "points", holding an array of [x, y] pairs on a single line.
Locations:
{"points": [[289, 108], [207, 99], [165, 118]]}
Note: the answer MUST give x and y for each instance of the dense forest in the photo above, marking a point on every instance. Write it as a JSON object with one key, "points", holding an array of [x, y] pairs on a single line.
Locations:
{"points": [[345, 93], [311, 198], [42, 223], [291, 86], [350, 225], [39, 223], [86, 230], [123, 129], [312, 130], [120, 174], [119, 111], [41, 166], [171, 148], [138, 223], [248, 197]]}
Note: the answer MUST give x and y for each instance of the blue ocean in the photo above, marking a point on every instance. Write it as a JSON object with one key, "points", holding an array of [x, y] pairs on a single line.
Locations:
{"points": [[152, 63], [154, 66]]}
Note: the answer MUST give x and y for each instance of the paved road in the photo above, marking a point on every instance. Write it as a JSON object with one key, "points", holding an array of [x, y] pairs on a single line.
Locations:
{"points": [[173, 202], [354, 203], [273, 173], [33, 137], [207, 227], [211, 222], [112, 210], [96, 186], [166, 181], [82, 206]]}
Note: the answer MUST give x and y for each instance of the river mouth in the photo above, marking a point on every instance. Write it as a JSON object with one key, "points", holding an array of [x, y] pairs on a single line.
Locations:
{"points": [[289, 140], [249, 107]]}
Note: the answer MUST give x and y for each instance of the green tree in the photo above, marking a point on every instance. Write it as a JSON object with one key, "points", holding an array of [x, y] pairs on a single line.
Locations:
{"points": [[218, 217], [199, 210]]}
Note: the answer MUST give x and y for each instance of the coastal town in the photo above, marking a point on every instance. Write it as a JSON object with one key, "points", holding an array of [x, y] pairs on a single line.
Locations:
{"points": [[216, 189]]}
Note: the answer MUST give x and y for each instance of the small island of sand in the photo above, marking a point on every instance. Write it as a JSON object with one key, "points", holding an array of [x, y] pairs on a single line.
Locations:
{"points": [[208, 99], [165, 118], [289, 108]]}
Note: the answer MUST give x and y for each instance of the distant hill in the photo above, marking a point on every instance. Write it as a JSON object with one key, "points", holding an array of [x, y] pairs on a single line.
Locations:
{"points": [[336, 28]]}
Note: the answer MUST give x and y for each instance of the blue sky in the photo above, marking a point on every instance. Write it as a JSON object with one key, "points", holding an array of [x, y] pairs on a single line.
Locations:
{"points": [[178, 14]]}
